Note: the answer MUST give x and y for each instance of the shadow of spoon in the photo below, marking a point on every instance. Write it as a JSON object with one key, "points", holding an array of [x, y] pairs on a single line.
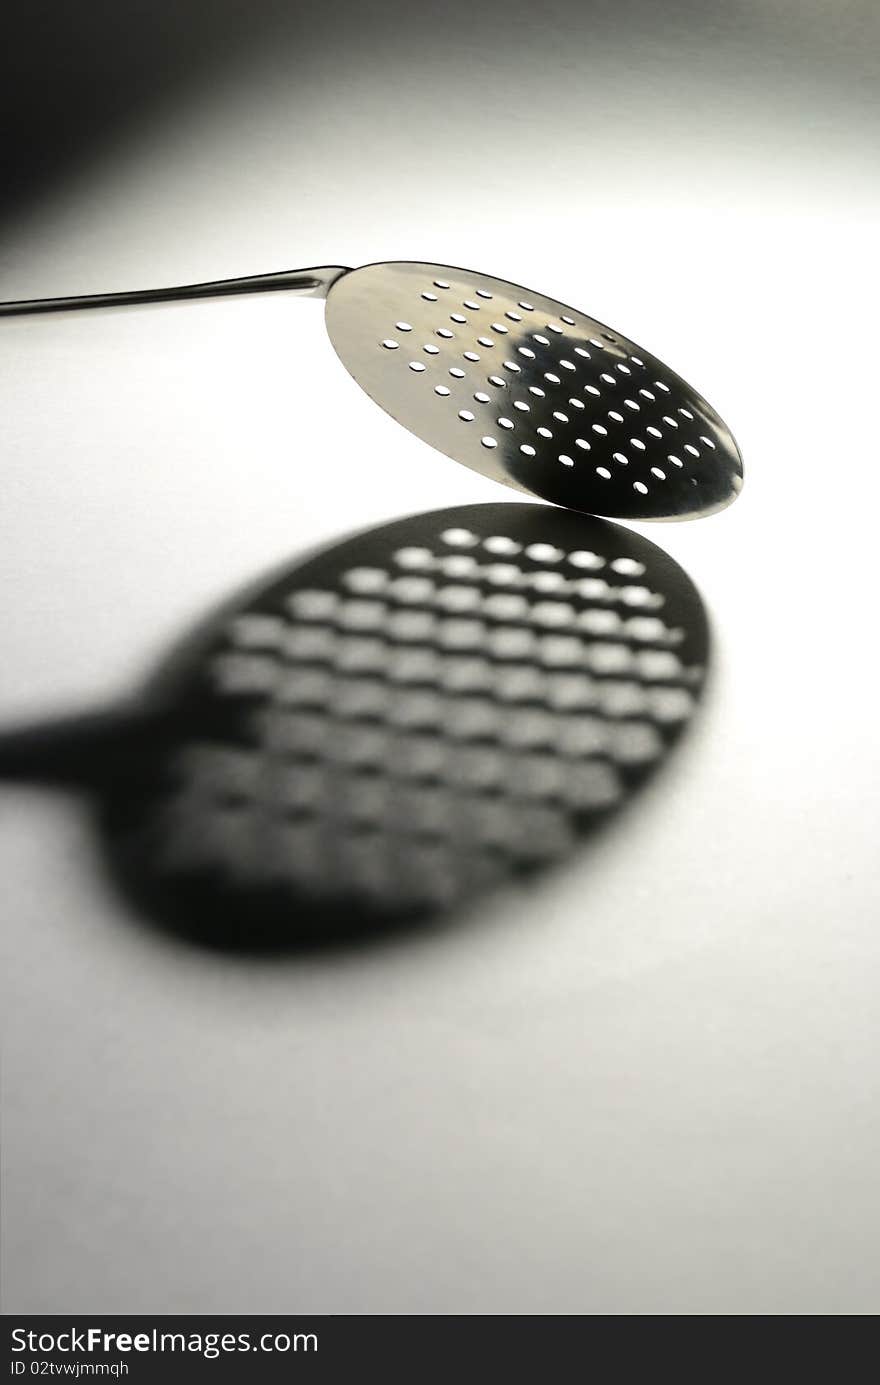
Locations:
{"points": [[389, 727]]}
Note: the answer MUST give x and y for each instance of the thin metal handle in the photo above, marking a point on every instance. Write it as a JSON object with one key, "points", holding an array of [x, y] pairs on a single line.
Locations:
{"points": [[312, 283]]}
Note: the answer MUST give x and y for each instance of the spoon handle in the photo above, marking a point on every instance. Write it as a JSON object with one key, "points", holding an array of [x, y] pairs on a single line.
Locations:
{"points": [[313, 283]]}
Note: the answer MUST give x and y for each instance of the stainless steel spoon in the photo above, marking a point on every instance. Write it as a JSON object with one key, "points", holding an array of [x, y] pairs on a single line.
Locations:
{"points": [[510, 383]]}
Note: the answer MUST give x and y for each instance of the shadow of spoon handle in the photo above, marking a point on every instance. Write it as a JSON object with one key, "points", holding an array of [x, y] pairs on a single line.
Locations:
{"points": [[83, 750]]}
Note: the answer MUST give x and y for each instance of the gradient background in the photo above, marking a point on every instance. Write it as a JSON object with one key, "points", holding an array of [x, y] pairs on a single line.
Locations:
{"points": [[647, 1085]]}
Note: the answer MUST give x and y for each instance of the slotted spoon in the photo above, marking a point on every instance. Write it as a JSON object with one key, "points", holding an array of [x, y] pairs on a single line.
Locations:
{"points": [[515, 385]]}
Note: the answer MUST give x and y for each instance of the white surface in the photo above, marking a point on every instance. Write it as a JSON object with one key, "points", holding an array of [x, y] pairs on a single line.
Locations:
{"points": [[644, 1085]]}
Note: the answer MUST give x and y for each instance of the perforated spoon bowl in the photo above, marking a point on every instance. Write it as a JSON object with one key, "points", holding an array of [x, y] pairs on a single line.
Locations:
{"points": [[524, 389]]}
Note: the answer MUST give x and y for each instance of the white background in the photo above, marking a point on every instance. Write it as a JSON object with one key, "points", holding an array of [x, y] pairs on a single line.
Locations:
{"points": [[648, 1084]]}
